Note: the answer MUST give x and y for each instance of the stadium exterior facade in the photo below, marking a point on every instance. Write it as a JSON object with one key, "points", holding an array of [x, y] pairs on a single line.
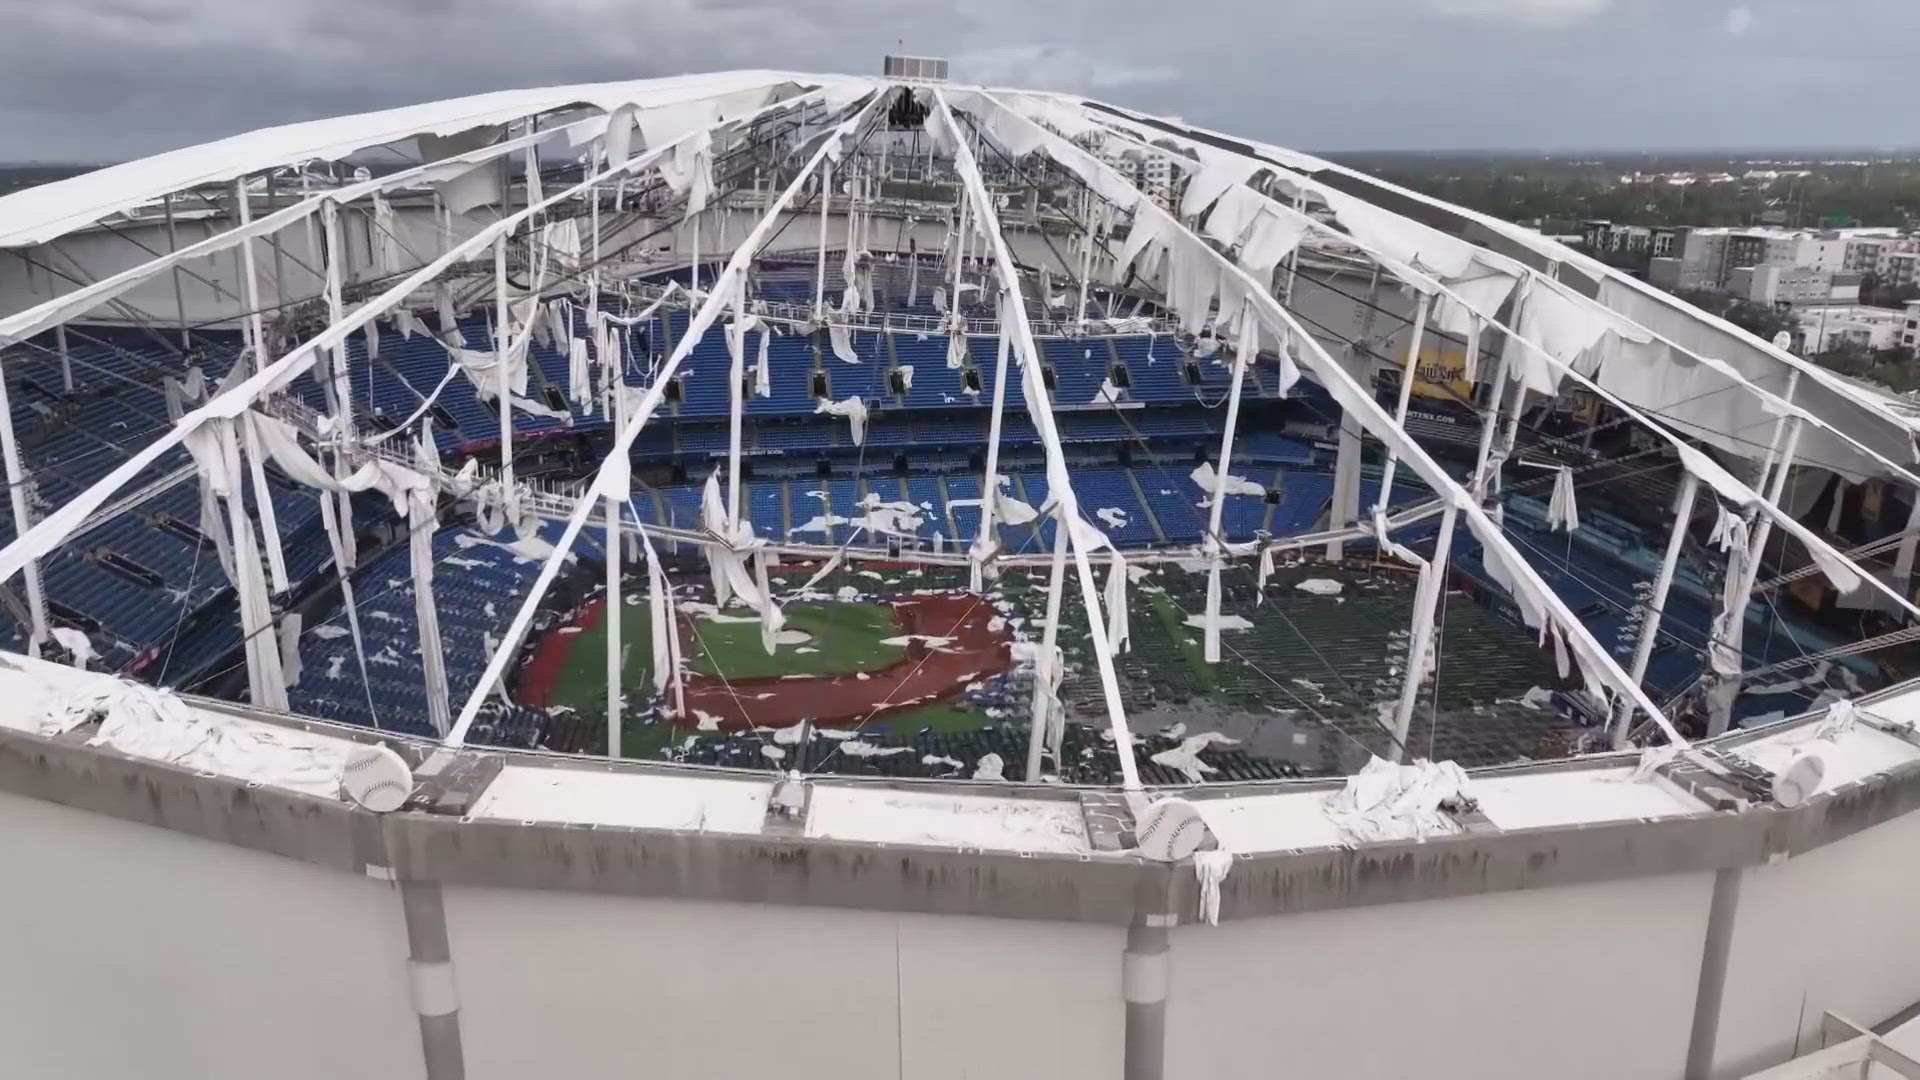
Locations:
{"points": [[214, 904]]}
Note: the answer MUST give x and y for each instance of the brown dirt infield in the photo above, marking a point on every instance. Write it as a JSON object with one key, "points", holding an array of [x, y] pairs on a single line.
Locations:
{"points": [[925, 674]]}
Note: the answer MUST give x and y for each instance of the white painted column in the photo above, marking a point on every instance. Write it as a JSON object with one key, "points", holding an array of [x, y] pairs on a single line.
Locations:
{"points": [[1657, 604], [1146, 974], [1346, 484], [1909, 544], [1213, 541], [1049, 637], [614, 402], [1720, 715], [1088, 212], [610, 612], [736, 399], [66, 359], [1406, 397], [1433, 585], [502, 351], [983, 543], [820, 265], [1483, 462], [1058, 479], [179, 295], [959, 262], [342, 380], [17, 481], [249, 280]]}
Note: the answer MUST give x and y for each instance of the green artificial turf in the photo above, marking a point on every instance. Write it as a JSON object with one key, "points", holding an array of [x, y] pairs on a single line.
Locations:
{"points": [[844, 638]]}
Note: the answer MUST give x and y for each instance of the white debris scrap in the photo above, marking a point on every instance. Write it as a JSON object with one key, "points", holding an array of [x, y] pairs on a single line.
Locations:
{"points": [[146, 722], [1203, 475], [1185, 758], [1211, 868], [1198, 621], [1384, 801], [856, 748], [1320, 586]]}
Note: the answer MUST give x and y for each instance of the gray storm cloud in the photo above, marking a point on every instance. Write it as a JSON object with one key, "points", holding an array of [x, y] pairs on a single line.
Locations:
{"points": [[110, 79]]}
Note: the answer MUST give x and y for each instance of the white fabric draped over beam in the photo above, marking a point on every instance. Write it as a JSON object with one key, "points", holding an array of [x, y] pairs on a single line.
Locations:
{"points": [[612, 478], [1855, 433], [62, 308], [50, 210], [1563, 334], [235, 399], [940, 124], [1604, 676]]}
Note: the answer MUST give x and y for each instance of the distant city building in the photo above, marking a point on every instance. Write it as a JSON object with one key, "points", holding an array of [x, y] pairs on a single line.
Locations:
{"points": [[1686, 258], [1826, 328], [1910, 328], [1900, 268], [1600, 235], [1780, 265], [1793, 285], [1153, 175]]}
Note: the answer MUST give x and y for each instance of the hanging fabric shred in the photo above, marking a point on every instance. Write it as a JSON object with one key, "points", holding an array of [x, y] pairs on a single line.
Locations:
{"points": [[1119, 637], [290, 630], [443, 310], [841, 339], [854, 409], [763, 369], [1723, 522], [579, 374], [1563, 514], [661, 620], [386, 246], [1211, 868], [956, 349]]}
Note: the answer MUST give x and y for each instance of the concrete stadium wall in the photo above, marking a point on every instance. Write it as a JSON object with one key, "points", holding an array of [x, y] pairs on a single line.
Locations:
{"points": [[1836, 929], [257, 932], [137, 951], [1513, 984], [578, 985]]}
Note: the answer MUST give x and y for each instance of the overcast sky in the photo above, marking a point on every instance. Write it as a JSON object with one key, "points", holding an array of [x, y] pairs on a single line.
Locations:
{"points": [[93, 80]]}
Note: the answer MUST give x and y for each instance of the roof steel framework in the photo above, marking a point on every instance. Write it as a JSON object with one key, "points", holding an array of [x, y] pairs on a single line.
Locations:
{"points": [[1221, 261]]}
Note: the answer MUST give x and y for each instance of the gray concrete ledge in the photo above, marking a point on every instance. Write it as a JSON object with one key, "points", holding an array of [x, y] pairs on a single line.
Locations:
{"points": [[432, 844]]}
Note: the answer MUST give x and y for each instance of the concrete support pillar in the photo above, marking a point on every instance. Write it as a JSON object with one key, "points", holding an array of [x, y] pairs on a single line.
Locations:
{"points": [[1145, 974], [1346, 485], [1909, 543], [1713, 973], [1657, 604], [430, 971]]}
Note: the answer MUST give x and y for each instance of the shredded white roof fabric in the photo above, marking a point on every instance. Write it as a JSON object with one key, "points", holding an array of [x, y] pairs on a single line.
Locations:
{"points": [[42, 213], [1204, 269], [1384, 801]]}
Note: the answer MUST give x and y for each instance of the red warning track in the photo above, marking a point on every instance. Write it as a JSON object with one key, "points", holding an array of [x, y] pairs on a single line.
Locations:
{"points": [[542, 669], [931, 670]]}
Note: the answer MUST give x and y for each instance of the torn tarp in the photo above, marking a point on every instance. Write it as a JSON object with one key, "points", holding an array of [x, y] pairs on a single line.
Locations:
{"points": [[854, 409], [1384, 801]]}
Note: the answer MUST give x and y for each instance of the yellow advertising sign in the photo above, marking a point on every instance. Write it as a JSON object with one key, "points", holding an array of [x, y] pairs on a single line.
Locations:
{"points": [[1441, 375]]}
